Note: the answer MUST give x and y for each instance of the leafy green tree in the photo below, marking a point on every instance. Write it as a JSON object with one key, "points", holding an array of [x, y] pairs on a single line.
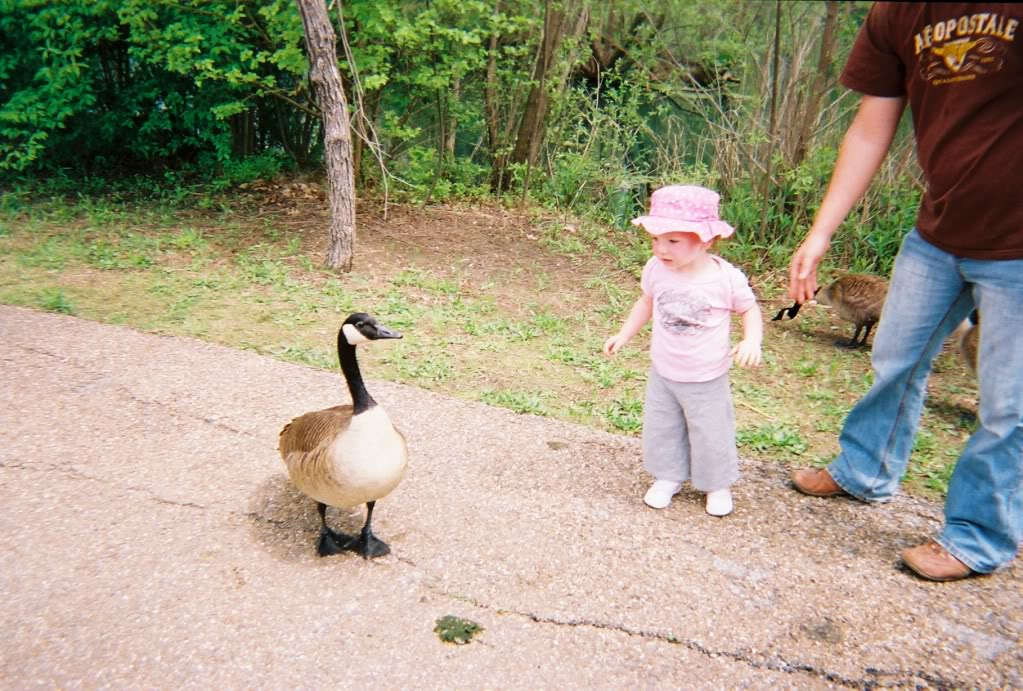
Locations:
{"points": [[129, 82], [51, 62]]}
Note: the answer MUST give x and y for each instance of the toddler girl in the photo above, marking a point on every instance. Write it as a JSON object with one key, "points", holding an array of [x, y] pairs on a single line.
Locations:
{"points": [[688, 419]]}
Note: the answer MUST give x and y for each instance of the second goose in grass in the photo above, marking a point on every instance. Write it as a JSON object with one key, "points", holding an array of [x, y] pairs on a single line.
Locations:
{"points": [[968, 335], [857, 298], [349, 454]]}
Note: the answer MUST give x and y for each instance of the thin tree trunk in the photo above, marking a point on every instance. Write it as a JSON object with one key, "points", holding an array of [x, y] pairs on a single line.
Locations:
{"points": [[820, 83], [371, 105], [531, 130], [766, 188], [536, 119], [451, 128], [440, 148], [242, 134], [321, 45], [569, 64], [490, 108], [357, 145]]}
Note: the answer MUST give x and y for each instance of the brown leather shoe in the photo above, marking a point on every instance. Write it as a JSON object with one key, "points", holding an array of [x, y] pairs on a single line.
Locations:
{"points": [[933, 562], [816, 482]]}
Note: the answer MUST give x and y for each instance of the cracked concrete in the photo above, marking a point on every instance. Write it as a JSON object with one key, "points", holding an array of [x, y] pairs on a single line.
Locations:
{"points": [[150, 538]]}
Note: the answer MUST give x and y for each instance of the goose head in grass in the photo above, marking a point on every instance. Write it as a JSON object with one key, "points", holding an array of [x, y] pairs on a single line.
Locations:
{"points": [[357, 329], [360, 327]]}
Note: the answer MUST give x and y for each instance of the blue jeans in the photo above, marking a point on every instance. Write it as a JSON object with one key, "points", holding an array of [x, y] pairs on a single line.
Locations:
{"points": [[931, 292]]}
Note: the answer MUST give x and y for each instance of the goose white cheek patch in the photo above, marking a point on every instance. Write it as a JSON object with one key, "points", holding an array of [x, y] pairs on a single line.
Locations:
{"points": [[353, 335]]}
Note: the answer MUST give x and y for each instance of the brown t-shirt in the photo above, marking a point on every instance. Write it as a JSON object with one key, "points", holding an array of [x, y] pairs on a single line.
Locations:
{"points": [[961, 66]]}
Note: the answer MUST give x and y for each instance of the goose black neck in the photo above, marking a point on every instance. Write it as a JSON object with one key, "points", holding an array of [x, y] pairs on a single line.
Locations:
{"points": [[361, 400]]}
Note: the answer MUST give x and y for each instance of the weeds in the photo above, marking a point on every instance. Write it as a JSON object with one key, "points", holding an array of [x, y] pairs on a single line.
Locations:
{"points": [[451, 629], [532, 403], [55, 301], [305, 356], [420, 368], [625, 415], [778, 441]]}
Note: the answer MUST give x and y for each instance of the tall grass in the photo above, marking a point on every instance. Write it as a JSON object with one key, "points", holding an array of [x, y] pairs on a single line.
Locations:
{"points": [[611, 143]]}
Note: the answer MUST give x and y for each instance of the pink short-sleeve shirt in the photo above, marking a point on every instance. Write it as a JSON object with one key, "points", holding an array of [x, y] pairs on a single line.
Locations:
{"points": [[692, 319]]}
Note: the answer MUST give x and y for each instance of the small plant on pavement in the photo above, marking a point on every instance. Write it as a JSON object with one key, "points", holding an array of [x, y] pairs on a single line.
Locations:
{"points": [[456, 630]]}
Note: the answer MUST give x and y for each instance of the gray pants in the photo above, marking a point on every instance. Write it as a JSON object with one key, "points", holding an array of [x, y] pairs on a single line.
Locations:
{"points": [[689, 432]]}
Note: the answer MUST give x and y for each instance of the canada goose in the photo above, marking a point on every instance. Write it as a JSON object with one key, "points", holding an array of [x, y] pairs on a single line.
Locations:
{"points": [[349, 454], [857, 298], [968, 335]]}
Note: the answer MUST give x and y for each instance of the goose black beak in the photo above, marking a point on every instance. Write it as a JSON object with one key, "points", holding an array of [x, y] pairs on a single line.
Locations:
{"points": [[384, 332]]}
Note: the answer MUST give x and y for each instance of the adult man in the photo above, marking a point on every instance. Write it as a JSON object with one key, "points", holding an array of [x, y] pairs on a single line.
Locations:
{"points": [[960, 67]]}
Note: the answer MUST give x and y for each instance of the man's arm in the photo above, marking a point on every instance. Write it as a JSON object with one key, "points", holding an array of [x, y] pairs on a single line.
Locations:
{"points": [[864, 148]]}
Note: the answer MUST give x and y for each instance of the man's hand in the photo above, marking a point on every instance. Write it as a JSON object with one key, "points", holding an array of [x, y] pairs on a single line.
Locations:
{"points": [[864, 147], [803, 269]]}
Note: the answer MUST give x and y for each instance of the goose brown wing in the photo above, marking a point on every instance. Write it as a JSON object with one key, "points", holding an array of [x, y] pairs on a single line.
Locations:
{"points": [[864, 296], [874, 297], [310, 431], [969, 346]]}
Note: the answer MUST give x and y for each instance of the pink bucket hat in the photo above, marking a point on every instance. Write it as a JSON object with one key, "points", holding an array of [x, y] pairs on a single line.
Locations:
{"points": [[684, 209]]}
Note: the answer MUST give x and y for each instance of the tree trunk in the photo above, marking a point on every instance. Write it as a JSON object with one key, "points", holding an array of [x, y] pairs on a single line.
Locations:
{"points": [[820, 84], [441, 139], [498, 157], [771, 134], [357, 146], [535, 120], [321, 46], [242, 134], [531, 130], [370, 106], [452, 125]]}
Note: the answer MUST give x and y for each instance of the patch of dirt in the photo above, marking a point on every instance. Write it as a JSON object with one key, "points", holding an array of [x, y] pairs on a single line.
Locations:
{"points": [[486, 247]]}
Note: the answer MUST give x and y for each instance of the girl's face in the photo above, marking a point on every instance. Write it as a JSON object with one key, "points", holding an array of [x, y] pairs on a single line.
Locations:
{"points": [[679, 250]]}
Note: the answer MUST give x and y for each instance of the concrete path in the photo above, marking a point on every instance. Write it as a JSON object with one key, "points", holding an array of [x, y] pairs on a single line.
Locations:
{"points": [[149, 538]]}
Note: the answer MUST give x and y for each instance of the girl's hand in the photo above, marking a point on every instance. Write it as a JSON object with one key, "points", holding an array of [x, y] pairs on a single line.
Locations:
{"points": [[747, 353], [614, 344]]}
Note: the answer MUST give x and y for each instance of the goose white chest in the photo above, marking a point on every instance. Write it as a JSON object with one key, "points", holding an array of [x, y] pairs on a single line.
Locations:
{"points": [[368, 459]]}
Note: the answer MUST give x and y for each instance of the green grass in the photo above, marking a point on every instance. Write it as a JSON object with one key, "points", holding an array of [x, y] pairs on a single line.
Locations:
{"points": [[625, 415], [247, 281], [772, 440], [56, 301], [532, 402]]}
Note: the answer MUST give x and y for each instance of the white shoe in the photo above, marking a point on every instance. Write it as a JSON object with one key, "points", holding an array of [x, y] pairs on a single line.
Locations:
{"points": [[719, 502], [660, 493]]}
